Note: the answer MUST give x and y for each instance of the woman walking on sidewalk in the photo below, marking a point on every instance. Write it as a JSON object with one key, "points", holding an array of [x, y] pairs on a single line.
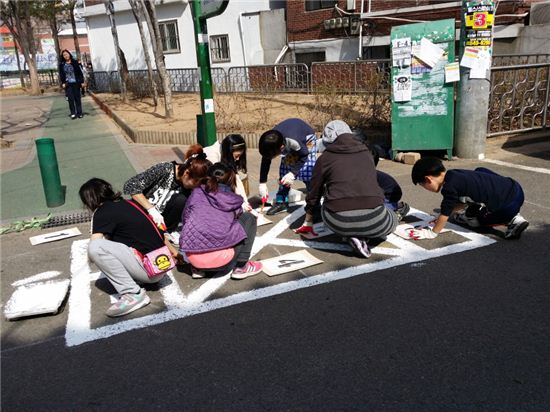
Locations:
{"points": [[71, 78]]}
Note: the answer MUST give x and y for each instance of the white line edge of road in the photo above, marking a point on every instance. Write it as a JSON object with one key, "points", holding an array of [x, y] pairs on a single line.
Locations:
{"points": [[78, 329], [516, 166]]}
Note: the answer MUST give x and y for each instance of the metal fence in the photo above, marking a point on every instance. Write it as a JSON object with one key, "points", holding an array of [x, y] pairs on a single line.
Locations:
{"points": [[354, 77], [516, 59], [45, 77], [519, 98]]}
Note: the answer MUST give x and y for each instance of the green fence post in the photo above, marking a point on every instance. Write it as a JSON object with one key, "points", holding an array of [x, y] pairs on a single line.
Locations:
{"points": [[47, 159]]}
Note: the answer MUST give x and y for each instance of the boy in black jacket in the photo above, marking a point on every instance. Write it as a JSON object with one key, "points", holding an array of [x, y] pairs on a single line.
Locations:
{"points": [[477, 197]]}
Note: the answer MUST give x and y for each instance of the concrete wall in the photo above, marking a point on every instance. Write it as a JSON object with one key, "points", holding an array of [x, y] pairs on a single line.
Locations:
{"points": [[533, 40], [335, 49], [229, 23]]}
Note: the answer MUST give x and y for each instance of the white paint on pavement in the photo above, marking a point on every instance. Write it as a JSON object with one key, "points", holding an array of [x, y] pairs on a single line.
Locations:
{"points": [[35, 278], [180, 306], [516, 166]]}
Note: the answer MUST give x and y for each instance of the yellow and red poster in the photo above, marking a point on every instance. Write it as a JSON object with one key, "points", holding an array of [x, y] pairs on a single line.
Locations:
{"points": [[479, 23]]}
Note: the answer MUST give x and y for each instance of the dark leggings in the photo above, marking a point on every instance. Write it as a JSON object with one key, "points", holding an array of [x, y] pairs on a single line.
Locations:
{"points": [[72, 91], [173, 210], [244, 248]]}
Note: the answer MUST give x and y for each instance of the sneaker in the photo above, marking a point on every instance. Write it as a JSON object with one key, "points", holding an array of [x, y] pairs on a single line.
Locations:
{"points": [[250, 269], [197, 274], [73, 116], [277, 208], [128, 303], [516, 227], [360, 247], [80, 116], [402, 210]]}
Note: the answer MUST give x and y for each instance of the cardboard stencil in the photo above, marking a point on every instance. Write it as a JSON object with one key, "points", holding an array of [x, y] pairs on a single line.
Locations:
{"points": [[289, 263], [53, 236], [36, 299]]}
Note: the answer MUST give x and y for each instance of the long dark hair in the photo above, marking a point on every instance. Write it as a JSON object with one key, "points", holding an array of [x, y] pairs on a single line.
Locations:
{"points": [[95, 192], [62, 59], [230, 144], [195, 164], [220, 174]]}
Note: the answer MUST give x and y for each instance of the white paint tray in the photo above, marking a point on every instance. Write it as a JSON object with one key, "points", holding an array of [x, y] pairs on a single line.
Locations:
{"points": [[36, 299]]}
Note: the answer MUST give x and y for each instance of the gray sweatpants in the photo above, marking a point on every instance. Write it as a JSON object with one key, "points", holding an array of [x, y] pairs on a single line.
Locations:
{"points": [[120, 265]]}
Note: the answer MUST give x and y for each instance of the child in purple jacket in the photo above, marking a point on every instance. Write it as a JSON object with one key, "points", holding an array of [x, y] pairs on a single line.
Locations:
{"points": [[217, 236]]}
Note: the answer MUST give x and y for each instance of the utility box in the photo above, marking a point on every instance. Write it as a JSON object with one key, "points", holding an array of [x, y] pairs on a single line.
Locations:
{"points": [[422, 103]]}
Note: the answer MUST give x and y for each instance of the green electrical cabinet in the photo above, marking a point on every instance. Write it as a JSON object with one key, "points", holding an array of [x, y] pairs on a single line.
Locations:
{"points": [[425, 122]]}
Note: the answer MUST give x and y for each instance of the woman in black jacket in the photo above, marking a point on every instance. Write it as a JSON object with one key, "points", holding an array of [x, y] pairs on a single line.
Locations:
{"points": [[71, 78]]}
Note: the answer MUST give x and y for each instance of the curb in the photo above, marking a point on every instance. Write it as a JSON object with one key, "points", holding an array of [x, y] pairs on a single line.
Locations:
{"points": [[142, 136]]}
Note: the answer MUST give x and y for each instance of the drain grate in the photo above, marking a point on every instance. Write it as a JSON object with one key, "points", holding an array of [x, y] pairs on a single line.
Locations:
{"points": [[69, 219]]}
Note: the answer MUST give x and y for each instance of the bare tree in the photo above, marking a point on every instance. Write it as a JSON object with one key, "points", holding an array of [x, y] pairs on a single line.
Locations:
{"points": [[120, 59], [138, 12], [71, 4], [156, 42], [53, 12], [18, 17]]}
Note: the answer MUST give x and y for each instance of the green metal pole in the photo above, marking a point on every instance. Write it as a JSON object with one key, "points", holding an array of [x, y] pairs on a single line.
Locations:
{"points": [[203, 60], [47, 159]]}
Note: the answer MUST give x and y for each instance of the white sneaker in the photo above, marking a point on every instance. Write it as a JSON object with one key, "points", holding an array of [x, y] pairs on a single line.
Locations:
{"points": [[516, 227], [197, 274]]}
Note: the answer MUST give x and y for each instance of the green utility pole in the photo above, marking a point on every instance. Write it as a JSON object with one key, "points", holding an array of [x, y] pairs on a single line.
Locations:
{"points": [[206, 121], [47, 160], [476, 40]]}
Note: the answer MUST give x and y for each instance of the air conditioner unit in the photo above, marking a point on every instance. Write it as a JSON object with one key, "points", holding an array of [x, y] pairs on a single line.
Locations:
{"points": [[338, 22], [345, 21], [355, 24]]}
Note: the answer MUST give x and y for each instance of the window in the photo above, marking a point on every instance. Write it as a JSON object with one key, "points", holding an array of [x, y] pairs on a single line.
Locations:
{"points": [[312, 5], [169, 36], [219, 49]]}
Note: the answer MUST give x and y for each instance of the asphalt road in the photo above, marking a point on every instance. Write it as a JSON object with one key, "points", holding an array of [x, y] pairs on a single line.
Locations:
{"points": [[465, 331]]}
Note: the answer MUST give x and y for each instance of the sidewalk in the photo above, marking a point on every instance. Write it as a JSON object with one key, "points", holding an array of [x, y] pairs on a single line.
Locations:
{"points": [[86, 148]]}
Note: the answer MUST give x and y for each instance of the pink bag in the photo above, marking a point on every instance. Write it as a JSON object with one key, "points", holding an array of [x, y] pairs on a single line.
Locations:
{"points": [[158, 261]]}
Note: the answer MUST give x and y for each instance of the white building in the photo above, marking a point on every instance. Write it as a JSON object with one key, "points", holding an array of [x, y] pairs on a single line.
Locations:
{"points": [[248, 32]]}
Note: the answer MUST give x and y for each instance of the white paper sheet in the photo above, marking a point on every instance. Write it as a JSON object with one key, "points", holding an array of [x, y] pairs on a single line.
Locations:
{"points": [[404, 230], [402, 88], [469, 58], [483, 63], [452, 72], [53, 236], [428, 52], [260, 217], [289, 263], [401, 52]]}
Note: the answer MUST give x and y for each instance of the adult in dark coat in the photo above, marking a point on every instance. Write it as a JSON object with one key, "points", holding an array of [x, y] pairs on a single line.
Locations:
{"points": [[71, 78]]}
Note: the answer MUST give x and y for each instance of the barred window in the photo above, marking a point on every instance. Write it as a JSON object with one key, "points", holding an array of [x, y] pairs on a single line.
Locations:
{"points": [[169, 36], [219, 49], [312, 5]]}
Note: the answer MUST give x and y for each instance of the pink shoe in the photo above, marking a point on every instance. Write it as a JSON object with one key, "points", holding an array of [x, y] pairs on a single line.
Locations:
{"points": [[250, 269]]}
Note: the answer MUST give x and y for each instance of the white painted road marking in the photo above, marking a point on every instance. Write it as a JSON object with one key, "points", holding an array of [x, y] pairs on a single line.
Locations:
{"points": [[516, 166], [180, 306]]}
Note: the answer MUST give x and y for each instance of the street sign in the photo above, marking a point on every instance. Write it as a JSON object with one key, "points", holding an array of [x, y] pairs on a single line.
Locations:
{"points": [[211, 8]]}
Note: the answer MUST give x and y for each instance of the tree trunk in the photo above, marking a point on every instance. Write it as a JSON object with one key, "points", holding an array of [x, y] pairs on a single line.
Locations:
{"points": [[156, 41], [55, 34], [109, 8], [75, 34], [21, 74], [138, 15], [21, 29]]}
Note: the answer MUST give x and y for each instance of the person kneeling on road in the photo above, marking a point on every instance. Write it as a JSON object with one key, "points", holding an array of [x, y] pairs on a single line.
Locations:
{"points": [[471, 198], [353, 205]]}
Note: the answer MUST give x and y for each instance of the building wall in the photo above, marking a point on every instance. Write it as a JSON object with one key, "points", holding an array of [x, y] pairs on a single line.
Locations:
{"points": [[238, 12], [67, 42]]}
